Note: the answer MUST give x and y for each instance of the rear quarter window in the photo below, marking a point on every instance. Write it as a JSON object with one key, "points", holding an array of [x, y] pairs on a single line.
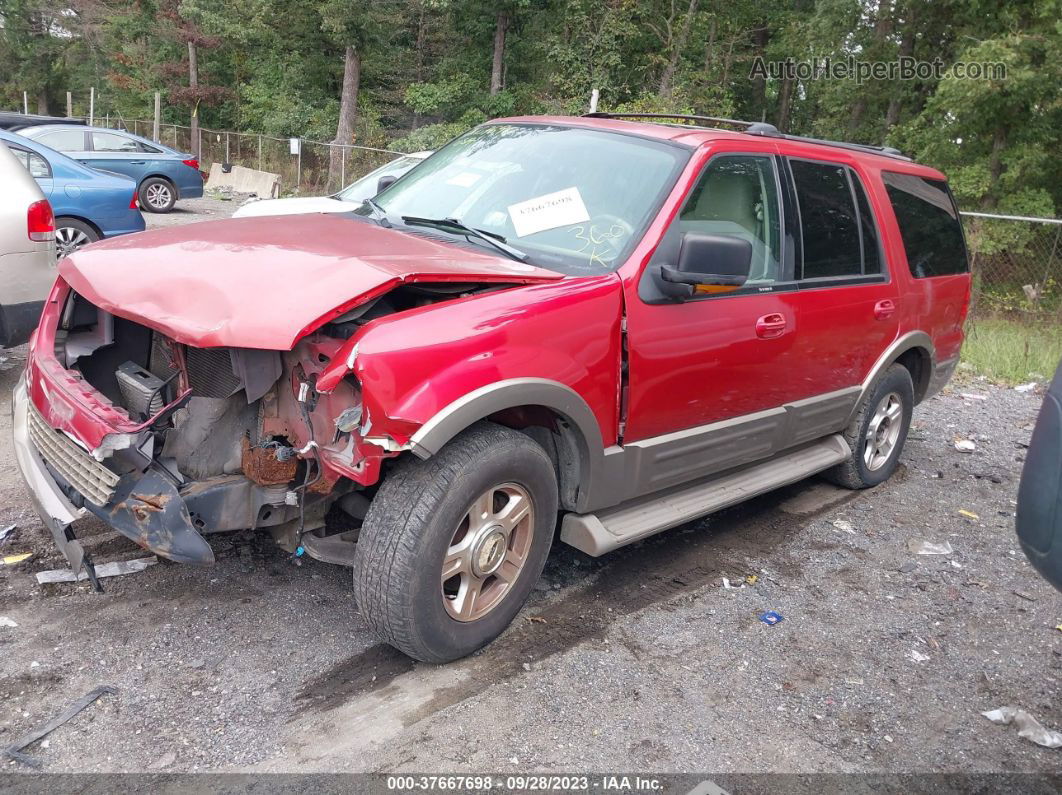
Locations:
{"points": [[929, 225]]}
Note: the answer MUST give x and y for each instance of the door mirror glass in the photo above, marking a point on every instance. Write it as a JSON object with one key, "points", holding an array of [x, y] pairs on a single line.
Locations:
{"points": [[710, 264]]}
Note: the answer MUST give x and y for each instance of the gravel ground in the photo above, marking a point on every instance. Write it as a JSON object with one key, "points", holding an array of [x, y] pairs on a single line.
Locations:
{"points": [[208, 208], [640, 660]]}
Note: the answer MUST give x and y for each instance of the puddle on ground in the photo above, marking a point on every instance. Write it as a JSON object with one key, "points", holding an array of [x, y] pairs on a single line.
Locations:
{"points": [[385, 682]]}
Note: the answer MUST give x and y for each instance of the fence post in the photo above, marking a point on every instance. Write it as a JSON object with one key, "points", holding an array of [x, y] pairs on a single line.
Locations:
{"points": [[175, 137], [298, 177], [227, 158], [92, 106], [342, 167], [25, 102], [259, 152], [155, 132], [69, 104]]}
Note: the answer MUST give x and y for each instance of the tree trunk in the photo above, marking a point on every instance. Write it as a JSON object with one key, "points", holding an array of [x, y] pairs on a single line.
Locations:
{"points": [[668, 78], [42, 102], [501, 27], [907, 42], [193, 83], [995, 169], [882, 29], [418, 71], [348, 113], [785, 104], [760, 37]]}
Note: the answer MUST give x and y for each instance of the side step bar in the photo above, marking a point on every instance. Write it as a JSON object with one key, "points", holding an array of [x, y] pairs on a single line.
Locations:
{"points": [[596, 534]]}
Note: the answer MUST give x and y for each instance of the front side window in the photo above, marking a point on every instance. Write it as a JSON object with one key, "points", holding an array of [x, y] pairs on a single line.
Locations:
{"points": [[737, 196], [112, 142], [67, 140], [574, 200], [36, 165], [929, 225]]}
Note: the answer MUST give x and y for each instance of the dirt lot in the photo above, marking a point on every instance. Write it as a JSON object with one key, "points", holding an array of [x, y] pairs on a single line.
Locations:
{"points": [[641, 660]]}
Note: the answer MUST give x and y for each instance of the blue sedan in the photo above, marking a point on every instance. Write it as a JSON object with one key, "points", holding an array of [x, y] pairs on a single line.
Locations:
{"points": [[162, 175], [88, 204]]}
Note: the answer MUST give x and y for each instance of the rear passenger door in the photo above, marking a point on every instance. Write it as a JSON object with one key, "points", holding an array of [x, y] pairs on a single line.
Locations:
{"points": [[846, 303]]}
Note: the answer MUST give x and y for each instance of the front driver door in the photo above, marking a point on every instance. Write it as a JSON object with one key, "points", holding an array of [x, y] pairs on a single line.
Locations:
{"points": [[707, 377]]}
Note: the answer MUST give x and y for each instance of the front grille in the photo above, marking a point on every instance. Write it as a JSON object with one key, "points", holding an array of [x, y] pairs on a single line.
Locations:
{"points": [[78, 468]]}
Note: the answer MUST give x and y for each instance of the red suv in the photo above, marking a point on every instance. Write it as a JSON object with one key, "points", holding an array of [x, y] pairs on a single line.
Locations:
{"points": [[610, 325]]}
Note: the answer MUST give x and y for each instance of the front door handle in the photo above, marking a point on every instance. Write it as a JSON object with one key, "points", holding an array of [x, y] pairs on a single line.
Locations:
{"points": [[770, 326], [138, 162], [884, 309]]}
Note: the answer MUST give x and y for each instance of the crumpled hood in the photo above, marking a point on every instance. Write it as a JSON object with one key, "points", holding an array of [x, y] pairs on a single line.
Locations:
{"points": [[267, 282]]}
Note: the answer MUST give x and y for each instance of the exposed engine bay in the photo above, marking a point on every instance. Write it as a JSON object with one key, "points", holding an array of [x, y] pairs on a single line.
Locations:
{"points": [[229, 438]]}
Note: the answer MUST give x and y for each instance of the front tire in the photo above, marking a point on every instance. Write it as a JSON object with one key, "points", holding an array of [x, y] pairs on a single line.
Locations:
{"points": [[157, 195], [452, 546], [878, 431]]}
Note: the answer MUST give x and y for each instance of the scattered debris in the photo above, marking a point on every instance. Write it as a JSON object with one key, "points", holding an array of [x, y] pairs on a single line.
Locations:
{"points": [[6, 531], [1025, 596], [770, 618], [728, 587], [9, 622], [968, 514], [113, 569], [908, 567], [969, 396], [165, 760], [1028, 726], [965, 445], [13, 751], [18, 557], [916, 656], [1029, 387], [751, 579], [929, 548], [843, 526], [536, 619], [527, 666]]}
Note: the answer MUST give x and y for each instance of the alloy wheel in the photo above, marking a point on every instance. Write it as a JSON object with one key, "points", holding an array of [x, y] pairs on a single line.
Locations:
{"points": [[158, 196], [883, 431], [69, 239], [487, 552]]}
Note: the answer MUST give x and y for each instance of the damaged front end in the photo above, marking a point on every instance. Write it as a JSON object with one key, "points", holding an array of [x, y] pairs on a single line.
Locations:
{"points": [[167, 442]]}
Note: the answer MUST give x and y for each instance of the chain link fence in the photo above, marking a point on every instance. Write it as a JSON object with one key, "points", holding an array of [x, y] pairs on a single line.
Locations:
{"points": [[1017, 267], [309, 172]]}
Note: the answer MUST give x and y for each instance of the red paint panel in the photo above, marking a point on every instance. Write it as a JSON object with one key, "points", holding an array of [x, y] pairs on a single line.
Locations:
{"points": [[266, 282], [414, 364]]}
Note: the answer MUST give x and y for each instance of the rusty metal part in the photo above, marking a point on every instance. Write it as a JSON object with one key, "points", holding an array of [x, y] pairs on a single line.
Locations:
{"points": [[149, 510], [260, 465]]}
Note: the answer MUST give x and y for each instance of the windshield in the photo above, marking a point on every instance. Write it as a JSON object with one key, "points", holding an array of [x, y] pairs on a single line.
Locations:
{"points": [[365, 188], [574, 200]]}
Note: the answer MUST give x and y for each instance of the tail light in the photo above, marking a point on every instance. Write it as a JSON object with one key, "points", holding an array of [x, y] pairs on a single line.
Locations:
{"points": [[40, 221], [192, 163], [132, 202]]}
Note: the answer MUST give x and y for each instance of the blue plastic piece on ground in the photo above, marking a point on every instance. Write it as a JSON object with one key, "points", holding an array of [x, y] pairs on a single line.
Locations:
{"points": [[771, 618], [299, 551]]}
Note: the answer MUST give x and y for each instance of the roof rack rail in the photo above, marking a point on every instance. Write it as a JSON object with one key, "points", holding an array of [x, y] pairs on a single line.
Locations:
{"points": [[753, 128]]}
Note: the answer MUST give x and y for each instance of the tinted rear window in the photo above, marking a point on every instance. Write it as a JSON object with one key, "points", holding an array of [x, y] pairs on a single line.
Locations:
{"points": [[929, 225]]}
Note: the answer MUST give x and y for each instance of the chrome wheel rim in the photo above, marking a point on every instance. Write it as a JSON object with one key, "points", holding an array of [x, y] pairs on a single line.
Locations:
{"points": [[487, 552], [157, 196], [69, 239], [883, 431]]}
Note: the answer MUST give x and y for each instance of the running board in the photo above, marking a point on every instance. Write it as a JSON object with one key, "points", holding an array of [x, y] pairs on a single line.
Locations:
{"points": [[598, 533]]}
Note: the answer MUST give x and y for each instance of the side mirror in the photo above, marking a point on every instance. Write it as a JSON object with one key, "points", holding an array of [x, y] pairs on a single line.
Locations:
{"points": [[709, 264], [386, 182]]}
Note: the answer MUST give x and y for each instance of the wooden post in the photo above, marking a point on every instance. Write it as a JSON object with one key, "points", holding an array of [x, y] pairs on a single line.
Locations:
{"points": [[298, 177], [92, 106], [343, 169], [69, 104], [25, 102], [158, 118], [259, 152], [227, 158]]}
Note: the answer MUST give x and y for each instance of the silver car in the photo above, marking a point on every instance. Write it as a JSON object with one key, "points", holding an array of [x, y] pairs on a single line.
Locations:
{"points": [[27, 250]]}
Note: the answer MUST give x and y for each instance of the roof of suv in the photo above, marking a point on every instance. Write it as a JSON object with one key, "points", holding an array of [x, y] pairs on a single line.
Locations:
{"points": [[690, 135]]}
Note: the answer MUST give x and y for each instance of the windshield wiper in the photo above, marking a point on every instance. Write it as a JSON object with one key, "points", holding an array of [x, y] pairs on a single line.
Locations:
{"points": [[378, 212], [497, 241]]}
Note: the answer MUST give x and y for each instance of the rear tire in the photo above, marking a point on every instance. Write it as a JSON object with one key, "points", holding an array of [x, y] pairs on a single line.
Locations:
{"points": [[156, 195], [452, 546], [878, 431], [71, 234]]}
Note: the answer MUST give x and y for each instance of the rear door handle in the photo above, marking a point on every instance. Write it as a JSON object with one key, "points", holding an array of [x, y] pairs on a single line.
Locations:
{"points": [[138, 162], [884, 309], [770, 326]]}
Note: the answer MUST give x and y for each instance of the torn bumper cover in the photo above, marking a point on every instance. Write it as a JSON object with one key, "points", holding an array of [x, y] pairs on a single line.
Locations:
{"points": [[146, 508]]}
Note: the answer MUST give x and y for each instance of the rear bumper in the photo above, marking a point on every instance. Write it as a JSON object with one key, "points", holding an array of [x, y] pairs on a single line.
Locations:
{"points": [[190, 191], [57, 513]]}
